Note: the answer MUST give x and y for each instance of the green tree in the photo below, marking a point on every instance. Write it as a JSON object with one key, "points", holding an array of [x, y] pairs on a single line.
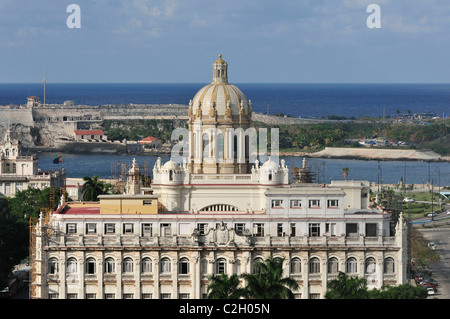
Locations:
{"points": [[345, 287], [28, 203], [92, 188], [268, 283], [13, 246], [405, 291], [224, 287]]}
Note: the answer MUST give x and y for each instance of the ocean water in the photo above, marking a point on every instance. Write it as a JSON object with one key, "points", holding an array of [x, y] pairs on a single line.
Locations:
{"points": [[388, 172], [297, 100]]}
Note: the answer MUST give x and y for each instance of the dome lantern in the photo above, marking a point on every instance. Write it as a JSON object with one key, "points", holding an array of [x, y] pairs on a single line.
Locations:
{"points": [[220, 71]]}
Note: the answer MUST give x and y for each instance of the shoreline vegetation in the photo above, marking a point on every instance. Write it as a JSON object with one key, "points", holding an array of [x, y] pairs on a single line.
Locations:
{"points": [[405, 137]]}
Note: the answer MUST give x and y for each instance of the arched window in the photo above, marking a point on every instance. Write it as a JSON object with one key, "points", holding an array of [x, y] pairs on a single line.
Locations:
{"points": [[221, 266], [183, 266], [205, 146], [109, 266], [333, 266], [314, 266], [53, 266], [370, 266], [165, 265], [90, 266], [146, 265], [296, 266], [72, 266], [389, 266], [255, 267], [351, 266], [127, 265], [219, 147], [171, 175]]}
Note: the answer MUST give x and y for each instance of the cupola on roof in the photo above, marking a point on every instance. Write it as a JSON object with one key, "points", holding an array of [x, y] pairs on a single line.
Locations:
{"points": [[220, 101]]}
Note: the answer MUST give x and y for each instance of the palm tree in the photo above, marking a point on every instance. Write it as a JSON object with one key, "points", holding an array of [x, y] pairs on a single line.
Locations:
{"points": [[268, 283], [345, 171], [224, 287], [345, 287], [93, 187]]}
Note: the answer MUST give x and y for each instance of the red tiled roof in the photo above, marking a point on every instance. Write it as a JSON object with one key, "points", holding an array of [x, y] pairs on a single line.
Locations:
{"points": [[67, 209], [149, 139], [89, 132]]}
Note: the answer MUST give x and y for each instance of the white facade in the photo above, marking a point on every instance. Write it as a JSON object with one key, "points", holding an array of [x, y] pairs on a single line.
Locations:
{"points": [[216, 218], [19, 172]]}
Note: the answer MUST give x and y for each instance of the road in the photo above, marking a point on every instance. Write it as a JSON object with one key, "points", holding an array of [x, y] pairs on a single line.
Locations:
{"points": [[440, 270]]}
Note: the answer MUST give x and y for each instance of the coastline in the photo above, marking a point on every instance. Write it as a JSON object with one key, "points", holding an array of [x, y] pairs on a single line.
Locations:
{"points": [[329, 152]]}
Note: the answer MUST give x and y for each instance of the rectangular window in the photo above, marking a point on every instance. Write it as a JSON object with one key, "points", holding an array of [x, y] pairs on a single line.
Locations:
{"points": [[293, 230], [147, 202], [277, 203], [166, 230], [91, 228], [184, 296], [330, 229], [239, 228], [90, 296], [7, 188], [258, 230], [202, 228], [110, 296], [128, 296], [333, 203], [128, 229], [147, 296], [71, 228], [371, 229], [72, 296], [351, 229], [314, 230], [314, 203], [19, 187], [280, 230], [165, 296], [296, 203], [110, 228], [147, 230]]}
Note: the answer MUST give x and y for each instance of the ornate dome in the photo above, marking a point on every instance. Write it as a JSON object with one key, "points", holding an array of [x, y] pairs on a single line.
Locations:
{"points": [[220, 101], [270, 165], [171, 166]]}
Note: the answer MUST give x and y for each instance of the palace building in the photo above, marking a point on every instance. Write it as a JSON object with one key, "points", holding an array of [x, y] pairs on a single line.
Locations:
{"points": [[221, 209]]}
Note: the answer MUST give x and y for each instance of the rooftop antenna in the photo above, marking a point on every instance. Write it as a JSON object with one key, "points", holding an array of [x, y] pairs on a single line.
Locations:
{"points": [[44, 86]]}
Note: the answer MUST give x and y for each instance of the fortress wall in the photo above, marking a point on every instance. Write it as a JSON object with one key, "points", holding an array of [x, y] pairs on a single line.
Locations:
{"points": [[9, 116]]}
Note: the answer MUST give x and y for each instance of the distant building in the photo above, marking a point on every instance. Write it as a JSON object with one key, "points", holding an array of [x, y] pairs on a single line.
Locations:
{"points": [[150, 142], [33, 101], [92, 135], [19, 172]]}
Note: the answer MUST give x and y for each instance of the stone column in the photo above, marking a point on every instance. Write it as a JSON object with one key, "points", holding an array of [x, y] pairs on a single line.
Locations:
{"points": [[324, 274], [195, 276], [119, 278], [305, 278], [137, 279], [175, 277], [156, 268], [100, 285], [81, 290], [62, 275]]}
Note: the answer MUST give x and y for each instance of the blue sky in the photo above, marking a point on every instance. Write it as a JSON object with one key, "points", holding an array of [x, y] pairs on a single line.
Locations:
{"points": [[176, 41]]}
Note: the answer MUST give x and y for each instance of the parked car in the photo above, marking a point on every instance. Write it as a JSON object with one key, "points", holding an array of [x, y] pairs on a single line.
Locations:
{"points": [[431, 291], [432, 215], [408, 200], [432, 245]]}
